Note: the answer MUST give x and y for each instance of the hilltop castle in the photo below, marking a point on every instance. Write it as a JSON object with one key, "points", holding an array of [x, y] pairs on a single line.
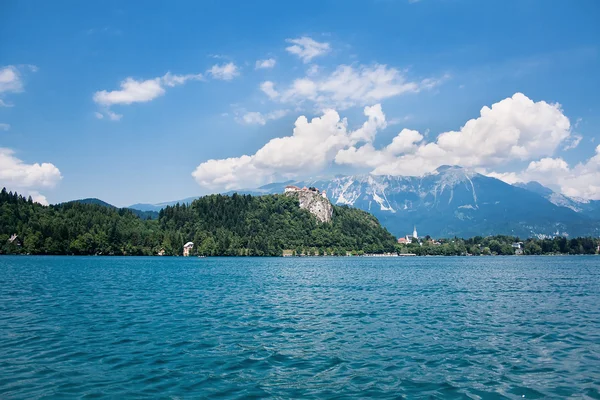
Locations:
{"points": [[313, 200]]}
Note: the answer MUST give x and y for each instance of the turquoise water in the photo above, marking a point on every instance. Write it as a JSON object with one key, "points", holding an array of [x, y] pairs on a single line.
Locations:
{"points": [[503, 327]]}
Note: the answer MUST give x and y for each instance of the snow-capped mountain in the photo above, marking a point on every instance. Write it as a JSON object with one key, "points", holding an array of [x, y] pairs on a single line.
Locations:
{"points": [[452, 201], [588, 207]]}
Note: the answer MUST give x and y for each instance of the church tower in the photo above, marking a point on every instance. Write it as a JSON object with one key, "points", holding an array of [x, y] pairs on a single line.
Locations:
{"points": [[415, 233]]}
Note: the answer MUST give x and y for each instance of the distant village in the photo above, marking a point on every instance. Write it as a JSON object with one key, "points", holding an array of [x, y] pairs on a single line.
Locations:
{"points": [[414, 239]]}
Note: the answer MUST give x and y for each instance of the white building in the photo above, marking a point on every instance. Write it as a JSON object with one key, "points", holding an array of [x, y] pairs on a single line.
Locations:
{"points": [[291, 188], [186, 248], [415, 233], [518, 246]]}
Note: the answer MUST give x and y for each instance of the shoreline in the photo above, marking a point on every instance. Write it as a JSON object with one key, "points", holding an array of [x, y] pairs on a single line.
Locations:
{"points": [[303, 256]]}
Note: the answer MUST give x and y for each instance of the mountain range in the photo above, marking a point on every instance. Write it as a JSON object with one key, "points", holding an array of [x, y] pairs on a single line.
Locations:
{"points": [[454, 201], [451, 201]]}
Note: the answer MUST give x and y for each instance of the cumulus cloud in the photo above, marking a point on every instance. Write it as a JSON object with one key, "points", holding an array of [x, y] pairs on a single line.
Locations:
{"points": [[509, 132], [225, 72], [15, 173], [367, 156], [265, 64], [4, 127], [306, 48], [515, 128], [579, 181], [348, 86], [257, 118], [37, 197], [312, 145], [137, 91]]}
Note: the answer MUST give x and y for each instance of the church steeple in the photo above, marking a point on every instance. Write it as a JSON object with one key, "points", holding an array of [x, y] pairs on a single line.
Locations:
{"points": [[415, 233]]}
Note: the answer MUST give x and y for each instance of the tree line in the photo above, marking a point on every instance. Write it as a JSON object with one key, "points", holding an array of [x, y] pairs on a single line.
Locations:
{"points": [[218, 225], [501, 245], [236, 225]]}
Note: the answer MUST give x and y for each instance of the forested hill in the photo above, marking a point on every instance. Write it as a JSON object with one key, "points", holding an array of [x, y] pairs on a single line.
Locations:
{"points": [[139, 213], [266, 225], [218, 225]]}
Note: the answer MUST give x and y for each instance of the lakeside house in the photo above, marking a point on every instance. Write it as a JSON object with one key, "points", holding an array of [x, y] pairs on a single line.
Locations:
{"points": [[186, 248], [518, 246], [15, 240], [161, 252]]}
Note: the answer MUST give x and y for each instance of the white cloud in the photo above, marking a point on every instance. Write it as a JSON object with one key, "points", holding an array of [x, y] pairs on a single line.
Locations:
{"points": [[511, 131], [580, 181], [225, 72], [173, 80], [134, 91], [367, 156], [265, 64], [38, 197], [548, 165], [313, 70], [10, 80], [15, 173], [113, 116], [348, 86], [268, 88], [312, 145], [573, 142], [508, 177], [227, 173], [4, 127], [515, 128], [254, 117], [306, 48]]}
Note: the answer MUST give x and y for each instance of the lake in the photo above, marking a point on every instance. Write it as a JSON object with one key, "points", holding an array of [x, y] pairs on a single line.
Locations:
{"points": [[471, 327]]}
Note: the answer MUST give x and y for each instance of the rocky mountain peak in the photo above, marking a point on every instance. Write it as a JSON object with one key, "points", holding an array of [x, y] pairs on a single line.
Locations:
{"points": [[314, 201]]}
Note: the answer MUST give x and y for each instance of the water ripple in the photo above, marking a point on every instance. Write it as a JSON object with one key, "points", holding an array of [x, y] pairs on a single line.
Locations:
{"points": [[452, 328]]}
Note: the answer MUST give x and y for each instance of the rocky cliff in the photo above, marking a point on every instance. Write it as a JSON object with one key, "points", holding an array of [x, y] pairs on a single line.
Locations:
{"points": [[315, 203]]}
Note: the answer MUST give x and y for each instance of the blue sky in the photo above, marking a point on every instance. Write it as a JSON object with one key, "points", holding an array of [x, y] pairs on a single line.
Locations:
{"points": [[154, 101]]}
